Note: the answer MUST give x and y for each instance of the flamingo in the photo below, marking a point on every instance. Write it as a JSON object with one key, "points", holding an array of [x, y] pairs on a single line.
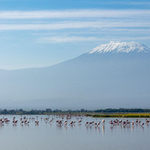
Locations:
{"points": [[36, 122], [86, 123], [103, 121], [132, 123], [98, 123], [79, 121]]}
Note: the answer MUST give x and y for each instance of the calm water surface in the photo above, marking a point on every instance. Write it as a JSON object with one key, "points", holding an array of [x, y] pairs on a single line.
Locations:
{"points": [[46, 136]]}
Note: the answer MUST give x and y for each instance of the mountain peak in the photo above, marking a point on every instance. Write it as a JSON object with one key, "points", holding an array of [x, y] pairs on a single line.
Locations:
{"points": [[116, 47]]}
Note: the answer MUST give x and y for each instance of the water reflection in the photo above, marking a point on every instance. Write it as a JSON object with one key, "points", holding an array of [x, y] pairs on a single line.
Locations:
{"points": [[14, 125], [133, 127], [87, 131], [65, 127], [59, 126], [79, 124], [1, 125], [103, 130], [36, 125]]}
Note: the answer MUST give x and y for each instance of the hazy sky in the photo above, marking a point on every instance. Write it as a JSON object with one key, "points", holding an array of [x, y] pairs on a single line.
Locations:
{"points": [[37, 33]]}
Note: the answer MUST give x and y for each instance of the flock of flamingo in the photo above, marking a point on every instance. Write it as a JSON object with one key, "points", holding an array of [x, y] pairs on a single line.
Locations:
{"points": [[64, 120], [116, 122]]}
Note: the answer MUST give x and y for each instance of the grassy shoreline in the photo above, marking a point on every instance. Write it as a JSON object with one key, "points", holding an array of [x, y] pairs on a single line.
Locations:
{"points": [[121, 115], [98, 115]]}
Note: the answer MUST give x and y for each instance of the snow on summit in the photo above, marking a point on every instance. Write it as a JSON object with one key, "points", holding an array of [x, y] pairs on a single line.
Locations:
{"points": [[116, 47]]}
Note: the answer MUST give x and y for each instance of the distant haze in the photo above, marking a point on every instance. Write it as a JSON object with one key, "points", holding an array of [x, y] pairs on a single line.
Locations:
{"points": [[111, 75]]}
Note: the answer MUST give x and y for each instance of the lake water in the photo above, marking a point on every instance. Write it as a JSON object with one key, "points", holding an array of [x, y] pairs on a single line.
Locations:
{"points": [[51, 136]]}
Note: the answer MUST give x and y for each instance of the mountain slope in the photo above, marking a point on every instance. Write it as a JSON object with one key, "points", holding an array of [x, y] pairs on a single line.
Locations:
{"points": [[95, 80]]}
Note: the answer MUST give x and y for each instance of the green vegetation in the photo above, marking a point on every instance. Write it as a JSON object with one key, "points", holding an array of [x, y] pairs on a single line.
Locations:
{"points": [[121, 112], [116, 115]]}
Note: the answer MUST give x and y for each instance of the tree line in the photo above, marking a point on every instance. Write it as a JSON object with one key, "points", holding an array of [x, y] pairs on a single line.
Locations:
{"points": [[50, 111]]}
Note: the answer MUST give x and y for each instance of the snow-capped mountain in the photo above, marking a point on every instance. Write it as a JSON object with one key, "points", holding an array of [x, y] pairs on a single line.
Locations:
{"points": [[112, 75], [116, 47]]}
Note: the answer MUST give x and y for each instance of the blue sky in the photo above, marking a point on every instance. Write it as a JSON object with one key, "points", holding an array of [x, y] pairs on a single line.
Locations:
{"points": [[38, 33]]}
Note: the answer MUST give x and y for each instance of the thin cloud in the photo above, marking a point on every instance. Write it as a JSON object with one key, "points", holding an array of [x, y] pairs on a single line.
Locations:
{"points": [[69, 39], [126, 38], [126, 30], [73, 25], [57, 39], [81, 13], [71, 19], [136, 38]]}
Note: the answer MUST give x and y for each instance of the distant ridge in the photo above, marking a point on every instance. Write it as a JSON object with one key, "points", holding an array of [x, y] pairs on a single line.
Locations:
{"points": [[116, 77], [116, 47]]}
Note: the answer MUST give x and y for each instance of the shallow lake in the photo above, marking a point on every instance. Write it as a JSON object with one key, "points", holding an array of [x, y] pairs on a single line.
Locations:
{"points": [[46, 136]]}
